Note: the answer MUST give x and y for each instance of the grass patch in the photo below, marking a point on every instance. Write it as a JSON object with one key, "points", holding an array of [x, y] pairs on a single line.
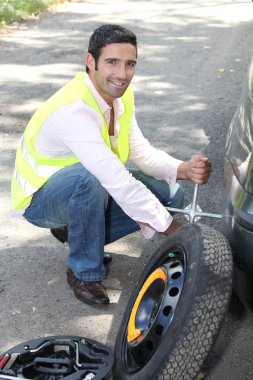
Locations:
{"points": [[16, 10]]}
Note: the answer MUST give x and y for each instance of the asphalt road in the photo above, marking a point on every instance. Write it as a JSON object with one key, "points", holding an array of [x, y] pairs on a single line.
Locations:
{"points": [[193, 57]]}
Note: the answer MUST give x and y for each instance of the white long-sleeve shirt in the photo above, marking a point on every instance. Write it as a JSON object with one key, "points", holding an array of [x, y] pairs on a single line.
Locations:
{"points": [[76, 129]]}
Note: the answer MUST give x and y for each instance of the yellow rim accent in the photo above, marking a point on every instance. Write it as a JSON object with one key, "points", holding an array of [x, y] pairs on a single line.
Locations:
{"points": [[133, 332]]}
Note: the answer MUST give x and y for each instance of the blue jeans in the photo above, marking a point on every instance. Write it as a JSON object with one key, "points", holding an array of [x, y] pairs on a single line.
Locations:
{"points": [[73, 197]]}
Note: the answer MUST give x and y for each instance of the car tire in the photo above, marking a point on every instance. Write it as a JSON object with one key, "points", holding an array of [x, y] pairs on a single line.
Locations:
{"points": [[176, 308]]}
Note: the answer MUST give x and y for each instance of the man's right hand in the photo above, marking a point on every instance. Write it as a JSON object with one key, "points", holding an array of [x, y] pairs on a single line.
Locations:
{"points": [[173, 227]]}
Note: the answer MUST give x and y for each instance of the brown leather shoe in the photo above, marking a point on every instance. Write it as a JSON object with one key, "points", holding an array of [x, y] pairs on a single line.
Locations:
{"points": [[61, 234], [90, 292]]}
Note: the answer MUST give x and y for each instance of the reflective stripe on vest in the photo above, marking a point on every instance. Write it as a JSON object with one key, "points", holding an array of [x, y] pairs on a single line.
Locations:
{"points": [[40, 170], [22, 182], [33, 169]]}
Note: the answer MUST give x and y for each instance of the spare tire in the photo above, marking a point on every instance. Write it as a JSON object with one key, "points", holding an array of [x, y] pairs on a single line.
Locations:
{"points": [[176, 308]]}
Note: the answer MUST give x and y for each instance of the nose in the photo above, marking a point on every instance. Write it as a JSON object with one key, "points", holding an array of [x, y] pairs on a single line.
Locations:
{"points": [[122, 71]]}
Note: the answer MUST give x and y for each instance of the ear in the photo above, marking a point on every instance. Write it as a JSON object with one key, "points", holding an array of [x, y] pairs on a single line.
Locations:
{"points": [[90, 61]]}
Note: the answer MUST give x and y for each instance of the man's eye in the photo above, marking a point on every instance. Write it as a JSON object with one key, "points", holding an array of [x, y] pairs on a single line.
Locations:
{"points": [[112, 61], [132, 64]]}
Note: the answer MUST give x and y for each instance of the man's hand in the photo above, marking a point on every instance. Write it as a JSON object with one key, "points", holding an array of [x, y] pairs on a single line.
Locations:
{"points": [[197, 169], [173, 227]]}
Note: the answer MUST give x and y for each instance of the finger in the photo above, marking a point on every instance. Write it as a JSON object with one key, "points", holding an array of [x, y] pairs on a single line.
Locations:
{"points": [[202, 164], [199, 157], [200, 181], [201, 171], [205, 162], [200, 174]]}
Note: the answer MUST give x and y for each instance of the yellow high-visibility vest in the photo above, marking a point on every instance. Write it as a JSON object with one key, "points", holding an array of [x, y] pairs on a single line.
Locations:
{"points": [[33, 169]]}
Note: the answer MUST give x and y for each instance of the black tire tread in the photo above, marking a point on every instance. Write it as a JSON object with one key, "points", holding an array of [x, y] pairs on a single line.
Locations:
{"points": [[208, 310]]}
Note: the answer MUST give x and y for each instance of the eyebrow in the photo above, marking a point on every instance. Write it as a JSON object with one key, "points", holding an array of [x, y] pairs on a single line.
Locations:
{"points": [[117, 59]]}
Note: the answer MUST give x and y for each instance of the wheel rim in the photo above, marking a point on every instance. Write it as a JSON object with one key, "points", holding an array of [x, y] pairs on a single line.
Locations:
{"points": [[154, 309]]}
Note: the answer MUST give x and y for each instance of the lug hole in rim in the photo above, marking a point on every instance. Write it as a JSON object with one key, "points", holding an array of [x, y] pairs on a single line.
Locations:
{"points": [[174, 265], [159, 330], [173, 292], [176, 275], [167, 310]]}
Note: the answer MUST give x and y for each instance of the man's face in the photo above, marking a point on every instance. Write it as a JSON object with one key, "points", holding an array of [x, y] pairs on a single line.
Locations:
{"points": [[115, 70]]}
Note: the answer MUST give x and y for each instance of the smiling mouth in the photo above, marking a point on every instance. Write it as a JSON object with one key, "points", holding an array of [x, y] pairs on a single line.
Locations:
{"points": [[118, 84]]}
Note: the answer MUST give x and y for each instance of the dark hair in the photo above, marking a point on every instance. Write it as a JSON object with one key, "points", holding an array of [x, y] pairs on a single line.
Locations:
{"points": [[109, 34]]}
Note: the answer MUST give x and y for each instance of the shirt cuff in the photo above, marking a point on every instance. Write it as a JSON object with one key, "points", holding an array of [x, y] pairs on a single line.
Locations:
{"points": [[170, 171], [148, 231]]}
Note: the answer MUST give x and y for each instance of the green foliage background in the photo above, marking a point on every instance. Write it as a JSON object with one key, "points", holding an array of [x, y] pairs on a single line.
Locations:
{"points": [[15, 10]]}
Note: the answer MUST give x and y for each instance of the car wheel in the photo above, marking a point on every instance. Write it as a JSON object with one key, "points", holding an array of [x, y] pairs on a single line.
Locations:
{"points": [[176, 308]]}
